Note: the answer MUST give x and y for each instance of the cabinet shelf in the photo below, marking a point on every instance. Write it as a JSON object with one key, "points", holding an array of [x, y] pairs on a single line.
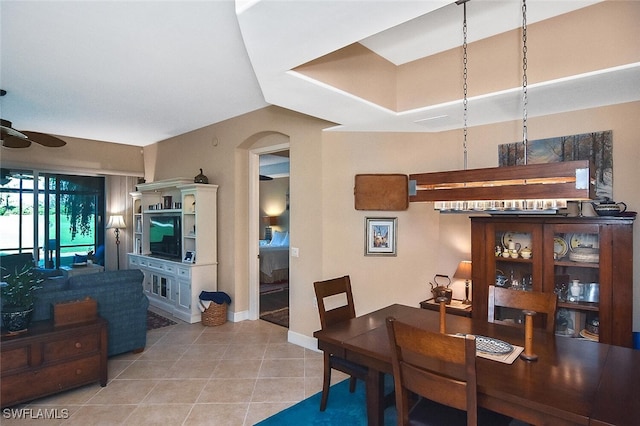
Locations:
{"points": [[582, 306], [571, 264], [160, 211], [512, 260]]}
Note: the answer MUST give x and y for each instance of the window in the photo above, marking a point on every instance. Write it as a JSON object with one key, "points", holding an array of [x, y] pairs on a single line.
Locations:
{"points": [[53, 216]]}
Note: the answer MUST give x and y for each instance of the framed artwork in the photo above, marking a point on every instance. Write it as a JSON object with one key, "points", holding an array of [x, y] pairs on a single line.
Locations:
{"points": [[380, 236], [189, 257], [596, 147]]}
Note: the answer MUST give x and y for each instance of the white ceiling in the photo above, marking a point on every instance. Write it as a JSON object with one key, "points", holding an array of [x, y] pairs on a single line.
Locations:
{"points": [[137, 72]]}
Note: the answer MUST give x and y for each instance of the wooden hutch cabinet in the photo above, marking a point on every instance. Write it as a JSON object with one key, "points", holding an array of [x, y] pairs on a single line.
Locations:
{"points": [[586, 261]]}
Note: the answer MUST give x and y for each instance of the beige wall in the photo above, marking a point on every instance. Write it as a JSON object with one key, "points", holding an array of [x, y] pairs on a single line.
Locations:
{"points": [[324, 224], [429, 243], [80, 156], [222, 150]]}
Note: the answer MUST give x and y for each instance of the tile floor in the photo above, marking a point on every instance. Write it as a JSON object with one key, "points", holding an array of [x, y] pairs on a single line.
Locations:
{"points": [[233, 374]]}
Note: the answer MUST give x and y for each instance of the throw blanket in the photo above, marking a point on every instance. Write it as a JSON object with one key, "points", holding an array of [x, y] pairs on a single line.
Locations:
{"points": [[218, 297]]}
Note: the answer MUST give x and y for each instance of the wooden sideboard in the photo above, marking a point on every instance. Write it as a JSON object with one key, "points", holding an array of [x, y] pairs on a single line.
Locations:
{"points": [[47, 360]]}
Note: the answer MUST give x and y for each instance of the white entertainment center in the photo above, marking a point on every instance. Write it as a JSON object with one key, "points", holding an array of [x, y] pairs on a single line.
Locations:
{"points": [[175, 243]]}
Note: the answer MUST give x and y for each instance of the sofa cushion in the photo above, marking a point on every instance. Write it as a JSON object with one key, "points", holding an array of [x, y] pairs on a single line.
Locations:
{"points": [[101, 279]]}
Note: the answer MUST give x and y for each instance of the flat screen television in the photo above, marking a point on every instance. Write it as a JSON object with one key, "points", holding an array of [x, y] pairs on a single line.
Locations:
{"points": [[165, 235]]}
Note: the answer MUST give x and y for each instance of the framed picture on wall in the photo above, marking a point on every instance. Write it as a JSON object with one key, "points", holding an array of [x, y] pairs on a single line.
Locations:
{"points": [[189, 257], [380, 236]]}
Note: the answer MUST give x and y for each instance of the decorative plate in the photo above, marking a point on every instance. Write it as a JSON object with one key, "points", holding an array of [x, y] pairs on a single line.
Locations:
{"points": [[584, 240], [516, 237], [492, 346], [589, 336], [560, 247]]}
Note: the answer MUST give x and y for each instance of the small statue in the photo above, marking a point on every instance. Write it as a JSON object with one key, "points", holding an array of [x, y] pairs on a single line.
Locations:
{"points": [[201, 178]]}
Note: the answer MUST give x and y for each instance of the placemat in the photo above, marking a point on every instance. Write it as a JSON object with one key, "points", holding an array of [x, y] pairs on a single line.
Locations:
{"points": [[505, 358]]}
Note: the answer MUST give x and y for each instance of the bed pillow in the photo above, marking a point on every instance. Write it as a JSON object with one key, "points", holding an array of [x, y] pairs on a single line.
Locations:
{"points": [[285, 241], [278, 238]]}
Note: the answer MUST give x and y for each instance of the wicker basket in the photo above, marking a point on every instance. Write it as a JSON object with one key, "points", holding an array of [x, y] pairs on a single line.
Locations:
{"points": [[214, 314]]}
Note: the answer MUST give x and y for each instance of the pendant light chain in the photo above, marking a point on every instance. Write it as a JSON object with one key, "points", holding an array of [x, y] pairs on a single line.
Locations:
{"points": [[464, 76], [524, 78]]}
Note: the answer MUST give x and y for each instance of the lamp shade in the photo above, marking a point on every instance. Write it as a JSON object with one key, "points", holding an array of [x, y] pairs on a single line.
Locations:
{"points": [[271, 220], [116, 221], [464, 270]]}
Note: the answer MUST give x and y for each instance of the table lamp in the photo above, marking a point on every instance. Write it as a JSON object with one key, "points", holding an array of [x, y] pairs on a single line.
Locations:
{"points": [[269, 221], [464, 273], [116, 222]]}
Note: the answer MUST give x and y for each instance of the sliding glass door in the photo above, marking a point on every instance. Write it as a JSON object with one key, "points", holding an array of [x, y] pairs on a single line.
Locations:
{"points": [[52, 216]]}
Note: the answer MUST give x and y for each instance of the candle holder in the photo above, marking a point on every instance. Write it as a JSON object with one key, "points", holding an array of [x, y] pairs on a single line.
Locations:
{"points": [[528, 354], [442, 300]]}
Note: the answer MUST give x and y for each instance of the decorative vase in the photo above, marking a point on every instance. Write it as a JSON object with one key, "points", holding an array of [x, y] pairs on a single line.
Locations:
{"points": [[201, 178], [16, 320]]}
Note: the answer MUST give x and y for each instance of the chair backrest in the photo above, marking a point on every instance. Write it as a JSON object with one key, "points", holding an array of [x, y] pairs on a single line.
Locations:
{"points": [[440, 367], [541, 303], [334, 287]]}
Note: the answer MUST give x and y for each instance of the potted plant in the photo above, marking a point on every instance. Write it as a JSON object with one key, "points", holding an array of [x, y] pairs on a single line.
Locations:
{"points": [[17, 295]]}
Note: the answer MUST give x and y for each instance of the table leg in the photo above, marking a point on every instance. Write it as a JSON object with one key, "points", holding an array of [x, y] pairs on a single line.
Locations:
{"points": [[375, 397]]}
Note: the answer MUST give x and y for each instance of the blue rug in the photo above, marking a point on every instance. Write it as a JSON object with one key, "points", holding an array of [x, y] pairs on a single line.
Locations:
{"points": [[343, 408]]}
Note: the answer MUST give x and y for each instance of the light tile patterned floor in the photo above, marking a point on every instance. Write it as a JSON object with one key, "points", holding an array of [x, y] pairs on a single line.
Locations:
{"points": [[233, 374]]}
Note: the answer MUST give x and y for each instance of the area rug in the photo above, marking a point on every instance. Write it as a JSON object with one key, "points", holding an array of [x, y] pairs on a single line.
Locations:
{"points": [[157, 321], [343, 408], [278, 316]]}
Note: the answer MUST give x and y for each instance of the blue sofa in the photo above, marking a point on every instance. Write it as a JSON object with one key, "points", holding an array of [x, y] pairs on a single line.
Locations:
{"points": [[120, 298]]}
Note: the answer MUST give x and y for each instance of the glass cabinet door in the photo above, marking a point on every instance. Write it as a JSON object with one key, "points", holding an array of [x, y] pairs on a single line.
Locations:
{"points": [[576, 279], [517, 257]]}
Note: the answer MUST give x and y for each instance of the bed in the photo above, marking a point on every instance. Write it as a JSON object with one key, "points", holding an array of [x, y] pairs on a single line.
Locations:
{"points": [[274, 259]]}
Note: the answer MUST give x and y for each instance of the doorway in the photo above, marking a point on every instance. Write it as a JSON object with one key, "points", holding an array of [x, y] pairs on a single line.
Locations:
{"points": [[269, 234]]}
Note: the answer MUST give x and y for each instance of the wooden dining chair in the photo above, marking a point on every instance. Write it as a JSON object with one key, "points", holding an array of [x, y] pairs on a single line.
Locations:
{"points": [[441, 370], [340, 288], [541, 303]]}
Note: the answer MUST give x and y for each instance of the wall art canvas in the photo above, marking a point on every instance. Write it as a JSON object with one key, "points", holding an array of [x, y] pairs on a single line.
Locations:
{"points": [[596, 147]]}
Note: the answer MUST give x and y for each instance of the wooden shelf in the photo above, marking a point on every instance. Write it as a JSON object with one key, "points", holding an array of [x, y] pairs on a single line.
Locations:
{"points": [[582, 306]]}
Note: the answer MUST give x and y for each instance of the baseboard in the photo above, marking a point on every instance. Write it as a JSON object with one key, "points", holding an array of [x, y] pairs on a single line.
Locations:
{"points": [[239, 316], [306, 342]]}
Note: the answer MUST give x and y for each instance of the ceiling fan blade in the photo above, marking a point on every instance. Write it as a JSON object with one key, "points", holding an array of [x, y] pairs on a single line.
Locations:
{"points": [[15, 142], [45, 139], [7, 130]]}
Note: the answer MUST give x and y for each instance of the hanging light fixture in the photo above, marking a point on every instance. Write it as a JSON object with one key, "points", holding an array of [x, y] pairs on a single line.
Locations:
{"points": [[528, 188]]}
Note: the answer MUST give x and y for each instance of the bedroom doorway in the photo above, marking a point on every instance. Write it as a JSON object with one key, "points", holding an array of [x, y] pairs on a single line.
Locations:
{"points": [[273, 244]]}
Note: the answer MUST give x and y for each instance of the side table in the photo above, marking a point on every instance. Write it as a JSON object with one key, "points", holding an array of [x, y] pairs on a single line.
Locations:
{"points": [[46, 359], [456, 307], [70, 271]]}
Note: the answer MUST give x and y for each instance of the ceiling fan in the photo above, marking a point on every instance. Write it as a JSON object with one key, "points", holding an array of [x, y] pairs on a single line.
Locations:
{"points": [[12, 138]]}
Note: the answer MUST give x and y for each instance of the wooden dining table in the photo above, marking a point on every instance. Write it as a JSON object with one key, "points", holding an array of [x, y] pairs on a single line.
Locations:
{"points": [[573, 381]]}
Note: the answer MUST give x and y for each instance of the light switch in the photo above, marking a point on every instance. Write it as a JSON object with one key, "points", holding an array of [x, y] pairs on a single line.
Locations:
{"points": [[295, 252]]}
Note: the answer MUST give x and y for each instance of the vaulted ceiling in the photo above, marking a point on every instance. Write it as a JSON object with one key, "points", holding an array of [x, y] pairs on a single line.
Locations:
{"points": [[139, 72]]}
